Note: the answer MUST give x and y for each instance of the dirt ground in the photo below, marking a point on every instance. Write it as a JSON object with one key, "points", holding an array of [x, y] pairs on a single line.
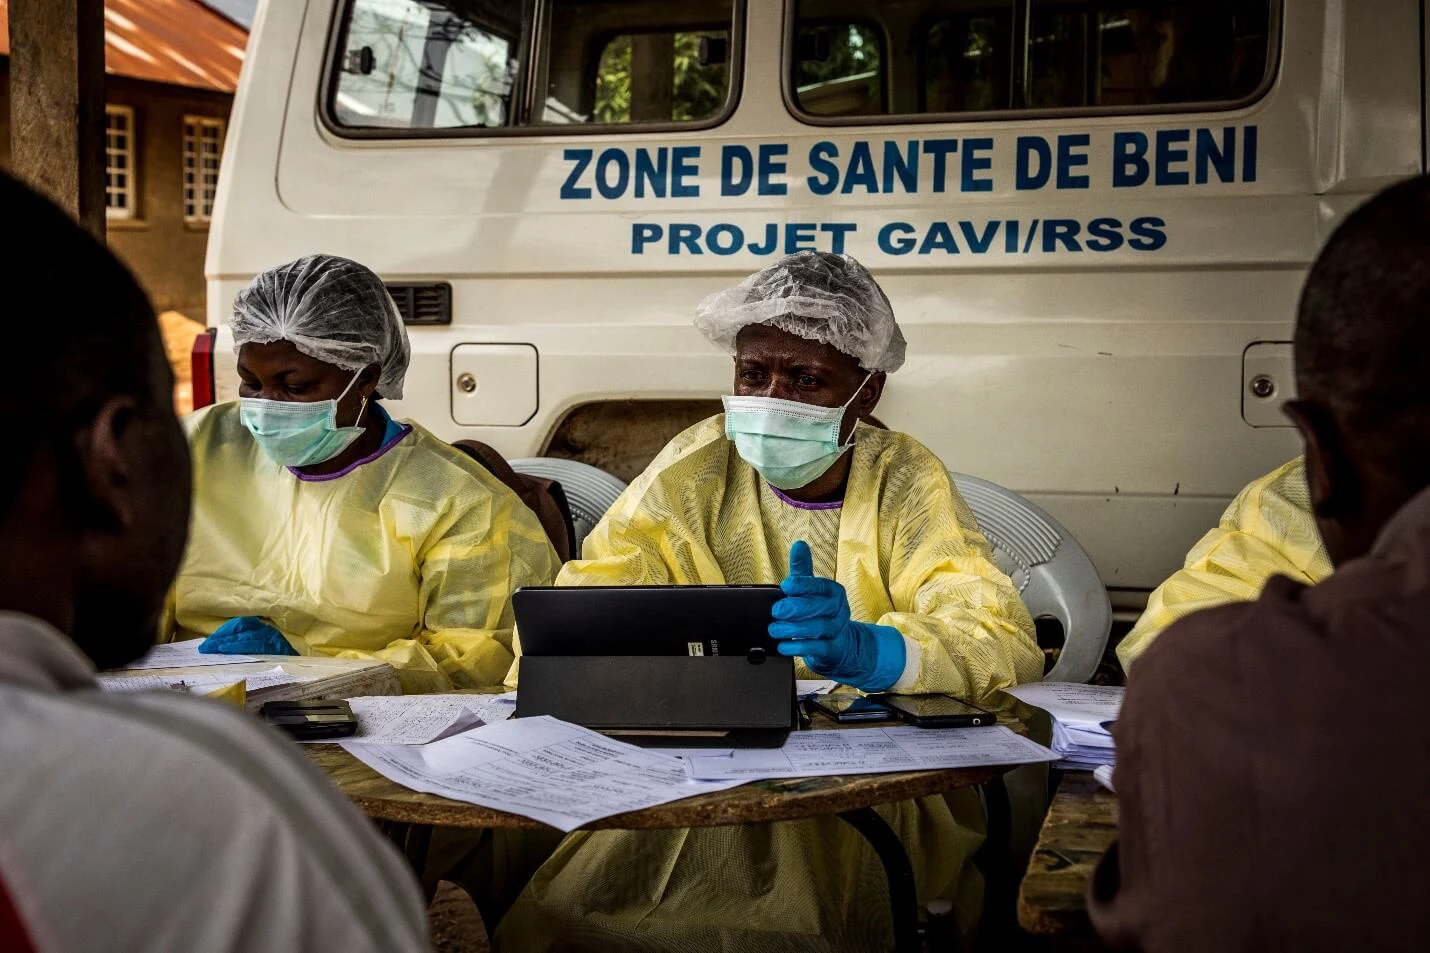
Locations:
{"points": [[179, 331], [456, 925]]}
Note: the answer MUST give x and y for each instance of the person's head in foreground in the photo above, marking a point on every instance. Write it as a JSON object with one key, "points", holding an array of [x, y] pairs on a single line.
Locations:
{"points": [[319, 340], [1362, 352], [813, 337], [95, 499], [1232, 834], [137, 820]]}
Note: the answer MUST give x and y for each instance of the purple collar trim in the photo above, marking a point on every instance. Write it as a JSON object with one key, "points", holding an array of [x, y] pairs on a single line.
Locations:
{"points": [[797, 504], [406, 429]]}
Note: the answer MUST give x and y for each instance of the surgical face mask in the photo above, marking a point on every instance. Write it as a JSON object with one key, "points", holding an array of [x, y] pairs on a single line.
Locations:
{"points": [[789, 443], [299, 434]]}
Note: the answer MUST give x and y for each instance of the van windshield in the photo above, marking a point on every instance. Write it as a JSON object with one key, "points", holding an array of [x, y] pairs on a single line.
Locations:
{"points": [[416, 65]]}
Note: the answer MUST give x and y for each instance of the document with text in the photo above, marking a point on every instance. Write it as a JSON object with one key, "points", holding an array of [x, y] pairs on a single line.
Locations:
{"points": [[542, 768], [422, 719], [199, 684], [871, 751], [1075, 705], [1082, 719]]}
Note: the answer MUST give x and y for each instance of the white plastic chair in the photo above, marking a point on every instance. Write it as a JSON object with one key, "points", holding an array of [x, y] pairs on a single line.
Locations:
{"points": [[1054, 575], [590, 491]]}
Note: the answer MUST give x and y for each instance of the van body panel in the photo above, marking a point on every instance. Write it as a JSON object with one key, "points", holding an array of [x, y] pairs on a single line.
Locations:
{"points": [[1104, 378]]}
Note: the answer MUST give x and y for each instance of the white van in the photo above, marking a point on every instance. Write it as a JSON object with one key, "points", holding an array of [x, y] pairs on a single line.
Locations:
{"points": [[1092, 216]]}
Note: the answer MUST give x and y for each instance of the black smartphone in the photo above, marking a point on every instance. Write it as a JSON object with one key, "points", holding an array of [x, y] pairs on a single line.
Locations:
{"points": [[312, 720], [937, 711], [850, 708]]}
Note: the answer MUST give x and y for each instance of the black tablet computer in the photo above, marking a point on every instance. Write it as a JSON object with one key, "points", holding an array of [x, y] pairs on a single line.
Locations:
{"points": [[645, 620]]}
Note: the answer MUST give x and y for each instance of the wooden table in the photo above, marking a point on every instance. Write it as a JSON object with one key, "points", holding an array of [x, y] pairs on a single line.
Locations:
{"points": [[409, 816], [1080, 826]]}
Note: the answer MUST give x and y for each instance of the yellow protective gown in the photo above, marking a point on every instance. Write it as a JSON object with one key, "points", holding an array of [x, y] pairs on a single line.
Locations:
{"points": [[409, 557], [908, 552], [1267, 530]]}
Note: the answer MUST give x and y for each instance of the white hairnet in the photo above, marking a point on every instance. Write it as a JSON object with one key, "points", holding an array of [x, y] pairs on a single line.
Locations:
{"points": [[331, 309], [816, 295]]}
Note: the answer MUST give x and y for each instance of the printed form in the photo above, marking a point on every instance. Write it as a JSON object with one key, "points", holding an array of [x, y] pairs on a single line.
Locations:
{"points": [[199, 683], [1082, 706], [871, 751], [542, 768], [422, 719]]}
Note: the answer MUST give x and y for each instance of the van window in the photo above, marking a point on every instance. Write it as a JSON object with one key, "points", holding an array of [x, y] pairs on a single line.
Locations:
{"points": [[972, 56], [658, 77], [839, 69], [419, 66], [427, 65], [967, 62]]}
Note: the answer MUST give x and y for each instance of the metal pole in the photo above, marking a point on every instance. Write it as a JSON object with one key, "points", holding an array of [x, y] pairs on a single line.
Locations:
{"points": [[903, 893]]}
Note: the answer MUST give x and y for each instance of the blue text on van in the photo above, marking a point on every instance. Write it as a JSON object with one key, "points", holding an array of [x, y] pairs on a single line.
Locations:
{"points": [[1161, 158]]}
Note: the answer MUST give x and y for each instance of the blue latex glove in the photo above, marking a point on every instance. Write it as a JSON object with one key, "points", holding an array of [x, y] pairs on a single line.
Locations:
{"points": [[246, 635], [812, 621]]}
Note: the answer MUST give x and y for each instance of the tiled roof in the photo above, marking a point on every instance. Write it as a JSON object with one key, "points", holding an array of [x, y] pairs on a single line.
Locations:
{"points": [[181, 42]]}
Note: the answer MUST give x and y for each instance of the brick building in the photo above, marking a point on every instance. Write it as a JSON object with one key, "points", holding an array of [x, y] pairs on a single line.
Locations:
{"points": [[171, 69]]}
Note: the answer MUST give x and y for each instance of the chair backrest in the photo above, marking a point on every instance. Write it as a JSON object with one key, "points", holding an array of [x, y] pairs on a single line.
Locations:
{"points": [[590, 491], [1054, 575], [546, 498]]}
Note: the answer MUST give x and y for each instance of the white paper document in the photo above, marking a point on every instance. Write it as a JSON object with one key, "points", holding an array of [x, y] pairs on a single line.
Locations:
{"points": [[542, 768], [1082, 750], [872, 751], [1083, 706], [421, 719], [804, 687], [1081, 714], [199, 684], [184, 655]]}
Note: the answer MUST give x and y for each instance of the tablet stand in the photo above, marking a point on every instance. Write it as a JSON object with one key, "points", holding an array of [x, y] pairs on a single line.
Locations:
{"points": [[665, 700]]}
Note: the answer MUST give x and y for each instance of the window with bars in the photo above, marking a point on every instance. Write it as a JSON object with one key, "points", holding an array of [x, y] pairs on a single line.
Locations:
{"points": [[203, 146], [121, 195]]}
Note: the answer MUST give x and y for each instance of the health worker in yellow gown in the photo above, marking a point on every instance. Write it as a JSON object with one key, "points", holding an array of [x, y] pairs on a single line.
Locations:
{"points": [[889, 586], [1268, 530], [321, 525]]}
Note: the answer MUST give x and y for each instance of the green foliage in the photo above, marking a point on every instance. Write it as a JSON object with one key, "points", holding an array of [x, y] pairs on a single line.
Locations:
{"points": [[699, 90], [853, 50], [613, 82]]}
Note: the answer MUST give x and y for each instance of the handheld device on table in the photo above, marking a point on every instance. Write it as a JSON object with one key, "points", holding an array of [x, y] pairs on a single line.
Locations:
{"points": [[312, 720], [659, 665], [848, 708], [937, 711]]}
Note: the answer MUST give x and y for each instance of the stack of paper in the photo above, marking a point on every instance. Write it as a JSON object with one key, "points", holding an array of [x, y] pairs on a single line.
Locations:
{"points": [[199, 684], [1082, 720]]}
